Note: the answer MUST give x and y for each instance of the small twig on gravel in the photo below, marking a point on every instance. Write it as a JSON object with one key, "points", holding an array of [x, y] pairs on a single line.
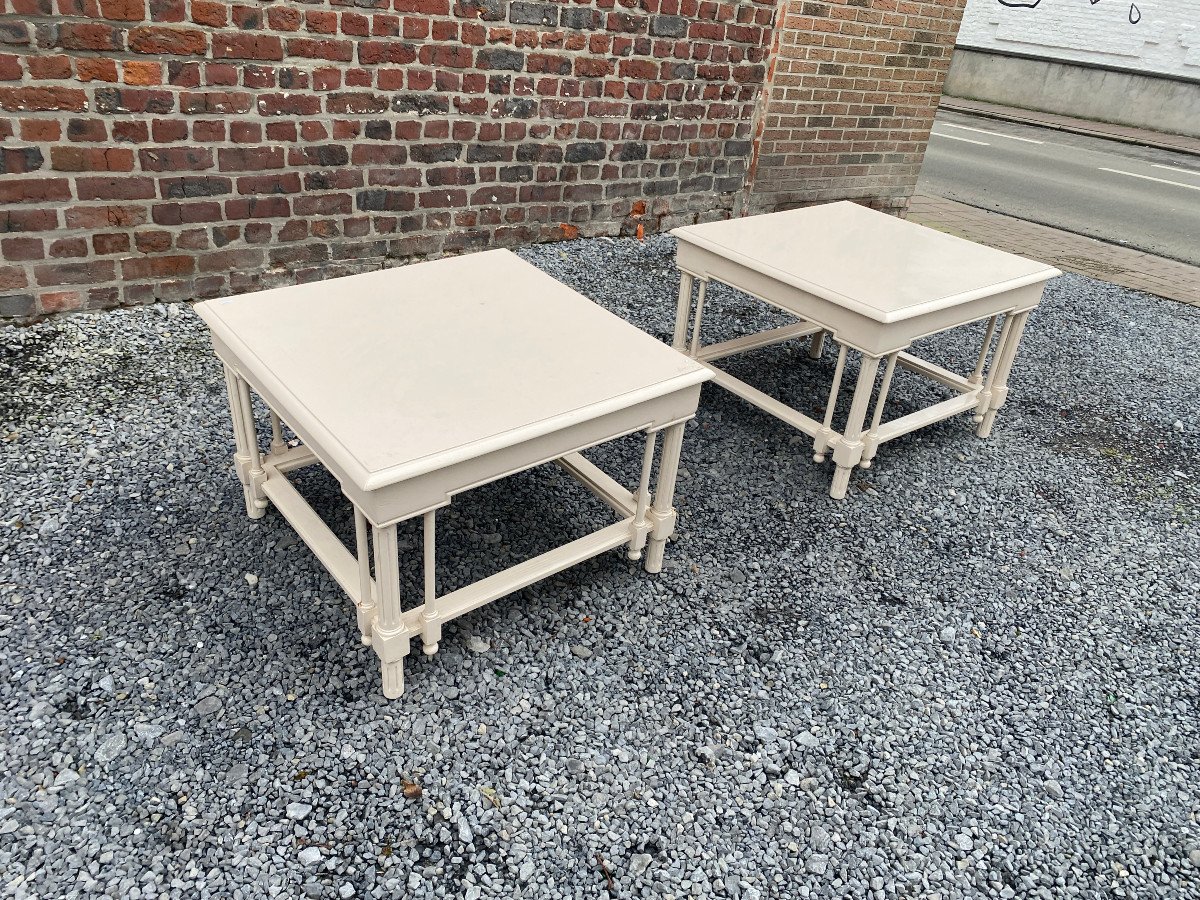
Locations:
{"points": [[608, 875]]}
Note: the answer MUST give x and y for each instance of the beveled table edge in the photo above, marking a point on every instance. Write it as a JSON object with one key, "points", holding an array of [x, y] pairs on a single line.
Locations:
{"points": [[825, 293]]}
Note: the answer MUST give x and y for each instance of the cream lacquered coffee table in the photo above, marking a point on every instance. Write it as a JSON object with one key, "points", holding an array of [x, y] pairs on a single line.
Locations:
{"points": [[875, 283], [413, 384]]}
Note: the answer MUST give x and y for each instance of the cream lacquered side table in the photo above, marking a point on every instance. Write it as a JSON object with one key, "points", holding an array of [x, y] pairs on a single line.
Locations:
{"points": [[413, 384], [875, 283]]}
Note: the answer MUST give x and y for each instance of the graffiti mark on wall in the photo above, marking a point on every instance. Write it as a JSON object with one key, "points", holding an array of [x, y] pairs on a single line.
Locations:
{"points": [[1135, 14]]}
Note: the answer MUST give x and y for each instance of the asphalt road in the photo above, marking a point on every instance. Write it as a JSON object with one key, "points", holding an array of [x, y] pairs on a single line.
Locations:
{"points": [[1135, 196]]}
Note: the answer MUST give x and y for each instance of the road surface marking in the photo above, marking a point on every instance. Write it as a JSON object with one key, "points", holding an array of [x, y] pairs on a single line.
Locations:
{"points": [[955, 137], [1194, 187], [1176, 169], [1011, 137]]}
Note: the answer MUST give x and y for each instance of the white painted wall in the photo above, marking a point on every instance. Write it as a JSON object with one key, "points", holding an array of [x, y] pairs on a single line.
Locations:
{"points": [[1163, 38]]}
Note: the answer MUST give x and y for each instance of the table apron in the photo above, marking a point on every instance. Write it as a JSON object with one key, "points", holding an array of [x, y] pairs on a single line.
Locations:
{"points": [[848, 326], [414, 496], [405, 499]]}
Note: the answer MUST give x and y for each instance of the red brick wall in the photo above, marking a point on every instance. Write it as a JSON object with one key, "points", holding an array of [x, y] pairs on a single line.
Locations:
{"points": [[177, 149], [172, 149], [852, 90]]}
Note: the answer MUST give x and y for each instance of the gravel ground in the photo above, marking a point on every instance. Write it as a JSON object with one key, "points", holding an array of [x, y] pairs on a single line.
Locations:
{"points": [[976, 677]]}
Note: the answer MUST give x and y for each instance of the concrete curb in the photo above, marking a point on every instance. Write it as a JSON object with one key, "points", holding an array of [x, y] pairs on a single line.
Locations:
{"points": [[1142, 138]]}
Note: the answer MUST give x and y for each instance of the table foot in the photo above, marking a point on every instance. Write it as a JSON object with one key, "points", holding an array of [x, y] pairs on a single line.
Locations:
{"points": [[816, 345], [985, 424], [393, 679], [841, 482], [662, 513], [389, 637]]}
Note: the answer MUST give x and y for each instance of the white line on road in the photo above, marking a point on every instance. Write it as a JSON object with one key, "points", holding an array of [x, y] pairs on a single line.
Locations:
{"points": [[1194, 187], [1176, 169], [1011, 137], [955, 137]]}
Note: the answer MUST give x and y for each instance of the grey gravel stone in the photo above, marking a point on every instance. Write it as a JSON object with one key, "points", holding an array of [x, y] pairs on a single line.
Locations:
{"points": [[208, 706], [298, 811], [111, 747], [1069, 577], [639, 863], [581, 651]]}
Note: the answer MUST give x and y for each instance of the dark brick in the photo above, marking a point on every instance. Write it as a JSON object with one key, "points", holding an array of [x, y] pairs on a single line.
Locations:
{"points": [[500, 58], [378, 130], [632, 151], [484, 153], [668, 26], [521, 13], [517, 107], [585, 151], [17, 305], [434, 153], [18, 160], [582, 19], [453, 176], [487, 10], [516, 173], [421, 104]]}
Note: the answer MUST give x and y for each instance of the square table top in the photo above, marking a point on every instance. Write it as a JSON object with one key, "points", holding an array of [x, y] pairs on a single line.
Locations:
{"points": [[878, 265], [407, 370]]}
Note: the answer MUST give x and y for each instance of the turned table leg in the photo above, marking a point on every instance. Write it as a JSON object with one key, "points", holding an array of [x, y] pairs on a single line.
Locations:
{"points": [[694, 346], [871, 441], [996, 387], [365, 608], [684, 311], [247, 457], [824, 440], [388, 635], [431, 623], [662, 513], [640, 526]]}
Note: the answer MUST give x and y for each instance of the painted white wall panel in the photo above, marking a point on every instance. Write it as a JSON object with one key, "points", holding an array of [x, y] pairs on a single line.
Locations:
{"points": [[1152, 36]]}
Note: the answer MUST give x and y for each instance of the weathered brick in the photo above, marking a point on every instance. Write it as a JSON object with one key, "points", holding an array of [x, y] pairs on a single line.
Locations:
{"points": [[500, 58], [168, 41], [14, 33], [582, 19], [129, 188], [88, 36], [91, 159], [585, 151], [247, 46], [123, 10], [17, 306], [42, 99], [22, 248], [175, 159], [522, 13], [34, 190], [86, 273], [157, 267], [19, 160]]}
